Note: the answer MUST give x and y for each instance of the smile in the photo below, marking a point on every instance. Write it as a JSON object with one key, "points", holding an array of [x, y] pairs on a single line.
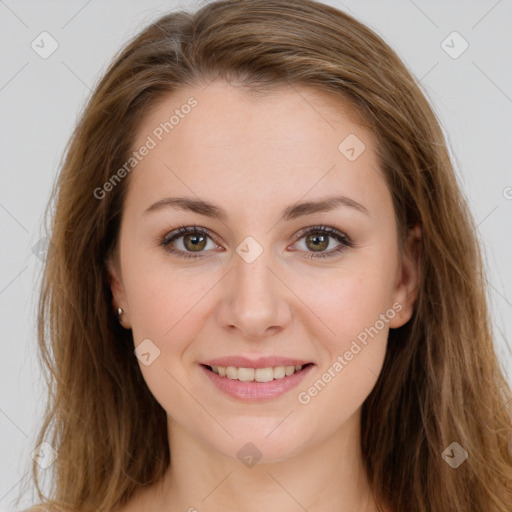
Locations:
{"points": [[255, 384]]}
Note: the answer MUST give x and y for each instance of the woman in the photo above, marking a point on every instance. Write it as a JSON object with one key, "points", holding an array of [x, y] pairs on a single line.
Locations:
{"points": [[265, 289]]}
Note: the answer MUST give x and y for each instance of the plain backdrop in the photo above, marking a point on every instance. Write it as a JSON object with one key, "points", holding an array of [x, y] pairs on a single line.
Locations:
{"points": [[40, 99]]}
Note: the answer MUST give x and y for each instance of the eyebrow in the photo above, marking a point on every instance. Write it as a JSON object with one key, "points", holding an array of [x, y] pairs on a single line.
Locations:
{"points": [[291, 212]]}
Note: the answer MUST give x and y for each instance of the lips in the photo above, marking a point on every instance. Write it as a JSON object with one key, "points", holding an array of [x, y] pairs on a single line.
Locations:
{"points": [[253, 390]]}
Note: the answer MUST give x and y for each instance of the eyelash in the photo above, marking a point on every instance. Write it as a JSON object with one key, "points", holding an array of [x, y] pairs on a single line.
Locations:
{"points": [[345, 241]]}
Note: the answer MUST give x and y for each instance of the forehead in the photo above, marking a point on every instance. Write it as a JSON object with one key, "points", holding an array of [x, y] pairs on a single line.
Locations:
{"points": [[224, 113], [282, 143]]}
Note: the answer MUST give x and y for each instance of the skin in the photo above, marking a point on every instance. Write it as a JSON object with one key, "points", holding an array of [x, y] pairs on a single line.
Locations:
{"points": [[254, 157]]}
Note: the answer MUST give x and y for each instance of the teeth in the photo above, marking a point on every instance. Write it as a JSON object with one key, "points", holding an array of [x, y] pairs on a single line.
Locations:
{"points": [[232, 372], [279, 372], [257, 374], [246, 374], [264, 374]]}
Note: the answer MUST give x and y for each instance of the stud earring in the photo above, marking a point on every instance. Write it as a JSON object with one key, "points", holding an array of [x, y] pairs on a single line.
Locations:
{"points": [[119, 313]]}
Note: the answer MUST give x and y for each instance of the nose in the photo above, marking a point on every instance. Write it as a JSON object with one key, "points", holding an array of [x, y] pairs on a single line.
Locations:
{"points": [[254, 299]]}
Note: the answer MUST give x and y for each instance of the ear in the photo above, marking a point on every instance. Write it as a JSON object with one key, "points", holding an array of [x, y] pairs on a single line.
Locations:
{"points": [[407, 285], [117, 288]]}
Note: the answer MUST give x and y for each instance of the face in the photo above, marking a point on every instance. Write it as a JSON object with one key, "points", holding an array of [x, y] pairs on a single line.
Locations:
{"points": [[256, 273]]}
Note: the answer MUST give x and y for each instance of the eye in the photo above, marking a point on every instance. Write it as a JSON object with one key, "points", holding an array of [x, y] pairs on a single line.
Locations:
{"points": [[193, 239], [317, 240]]}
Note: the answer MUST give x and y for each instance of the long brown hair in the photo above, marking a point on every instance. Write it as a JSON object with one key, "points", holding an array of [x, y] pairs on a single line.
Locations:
{"points": [[441, 382]]}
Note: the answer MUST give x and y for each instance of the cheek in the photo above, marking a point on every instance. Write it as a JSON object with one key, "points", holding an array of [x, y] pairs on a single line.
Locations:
{"points": [[356, 313], [162, 298], [349, 300]]}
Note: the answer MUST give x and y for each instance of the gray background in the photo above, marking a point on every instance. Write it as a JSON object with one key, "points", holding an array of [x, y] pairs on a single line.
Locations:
{"points": [[40, 100]]}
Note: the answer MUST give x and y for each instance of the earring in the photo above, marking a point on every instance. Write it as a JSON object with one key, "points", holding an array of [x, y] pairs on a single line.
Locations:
{"points": [[119, 313]]}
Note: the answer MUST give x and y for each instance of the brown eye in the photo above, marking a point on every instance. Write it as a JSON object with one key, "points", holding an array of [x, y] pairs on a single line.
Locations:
{"points": [[188, 242], [318, 242], [194, 242]]}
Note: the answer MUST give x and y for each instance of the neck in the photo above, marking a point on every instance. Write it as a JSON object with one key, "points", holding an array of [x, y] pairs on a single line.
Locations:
{"points": [[328, 476]]}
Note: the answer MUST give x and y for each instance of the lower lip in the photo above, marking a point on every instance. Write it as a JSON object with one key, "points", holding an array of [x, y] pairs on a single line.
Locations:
{"points": [[253, 391]]}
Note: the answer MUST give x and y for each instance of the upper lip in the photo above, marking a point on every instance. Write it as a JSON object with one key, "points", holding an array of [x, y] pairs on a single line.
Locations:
{"points": [[261, 362]]}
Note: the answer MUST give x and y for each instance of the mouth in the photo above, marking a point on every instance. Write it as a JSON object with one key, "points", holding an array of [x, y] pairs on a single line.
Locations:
{"points": [[251, 379], [267, 374]]}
